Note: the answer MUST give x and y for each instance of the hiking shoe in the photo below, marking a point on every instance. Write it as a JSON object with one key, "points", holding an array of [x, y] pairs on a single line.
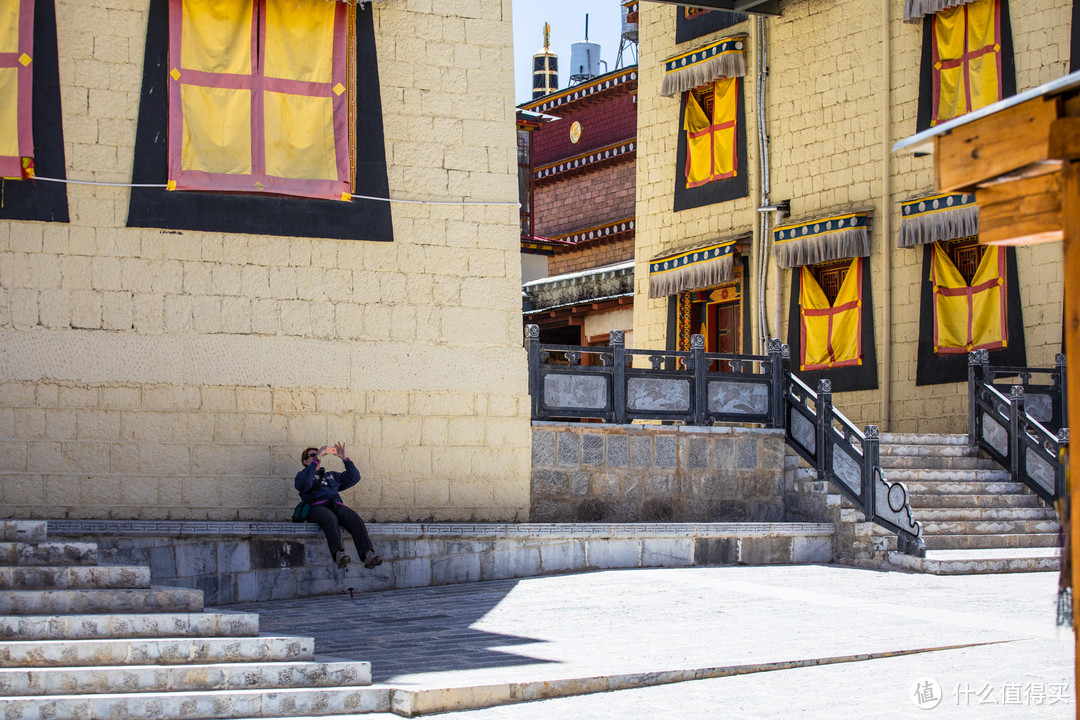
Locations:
{"points": [[371, 560], [342, 559]]}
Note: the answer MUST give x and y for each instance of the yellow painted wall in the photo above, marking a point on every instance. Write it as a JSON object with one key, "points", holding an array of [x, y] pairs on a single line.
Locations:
{"points": [[163, 374]]}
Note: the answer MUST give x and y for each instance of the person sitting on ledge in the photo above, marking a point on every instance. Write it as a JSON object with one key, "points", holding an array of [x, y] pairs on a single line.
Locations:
{"points": [[322, 490]]}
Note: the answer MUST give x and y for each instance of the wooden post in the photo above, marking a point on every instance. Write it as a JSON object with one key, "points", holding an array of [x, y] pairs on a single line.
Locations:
{"points": [[1071, 250]]}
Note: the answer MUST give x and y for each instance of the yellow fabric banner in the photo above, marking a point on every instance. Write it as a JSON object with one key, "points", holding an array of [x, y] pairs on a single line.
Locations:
{"points": [[969, 317], [710, 141], [967, 59], [16, 88], [262, 97], [831, 333]]}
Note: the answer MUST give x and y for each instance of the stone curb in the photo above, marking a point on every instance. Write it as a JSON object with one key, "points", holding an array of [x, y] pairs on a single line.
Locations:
{"points": [[413, 703]]}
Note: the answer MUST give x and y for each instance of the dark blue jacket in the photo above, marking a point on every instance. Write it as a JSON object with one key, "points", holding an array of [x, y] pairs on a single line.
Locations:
{"points": [[317, 486]]}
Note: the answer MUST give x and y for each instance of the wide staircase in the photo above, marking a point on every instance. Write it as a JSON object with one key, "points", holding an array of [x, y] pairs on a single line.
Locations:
{"points": [[86, 641], [974, 518]]}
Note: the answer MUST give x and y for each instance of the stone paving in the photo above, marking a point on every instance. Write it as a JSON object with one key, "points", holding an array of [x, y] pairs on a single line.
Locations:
{"points": [[988, 644]]}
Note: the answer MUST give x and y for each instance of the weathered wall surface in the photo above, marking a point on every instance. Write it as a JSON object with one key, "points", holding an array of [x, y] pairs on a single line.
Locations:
{"points": [[627, 473], [824, 99], [152, 373]]}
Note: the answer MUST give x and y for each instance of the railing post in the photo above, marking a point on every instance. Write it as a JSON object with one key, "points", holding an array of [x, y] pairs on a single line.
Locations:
{"points": [[777, 350], [701, 403], [1016, 411], [823, 421], [871, 459], [618, 375], [977, 369], [532, 343], [1059, 475], [1063, 388]]}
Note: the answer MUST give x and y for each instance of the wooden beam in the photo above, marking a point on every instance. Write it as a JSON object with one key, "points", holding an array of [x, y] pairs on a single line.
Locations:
{"points": [[1071, 251], [1020, 212], [995, 145], [1065, 139]]}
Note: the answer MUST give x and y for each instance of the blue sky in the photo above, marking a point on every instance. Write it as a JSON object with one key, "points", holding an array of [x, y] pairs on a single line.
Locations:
{"points": [[567, 20]]}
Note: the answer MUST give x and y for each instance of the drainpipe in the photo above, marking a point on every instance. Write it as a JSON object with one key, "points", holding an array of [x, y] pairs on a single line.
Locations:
{"points": [[886, 216], [763, 144]]}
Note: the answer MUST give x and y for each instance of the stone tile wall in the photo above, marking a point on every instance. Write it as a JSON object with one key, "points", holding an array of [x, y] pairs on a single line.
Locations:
{"points": [[638, 473]]}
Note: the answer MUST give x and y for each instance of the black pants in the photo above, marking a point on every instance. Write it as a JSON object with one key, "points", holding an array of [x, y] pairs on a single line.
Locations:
{"points": [[331, 518]]}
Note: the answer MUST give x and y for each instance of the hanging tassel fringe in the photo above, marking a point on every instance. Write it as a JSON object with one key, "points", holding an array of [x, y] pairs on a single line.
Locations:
{"points": [[725, 65], [915, 9], [823, 248], [693, 277], [939, 227]]}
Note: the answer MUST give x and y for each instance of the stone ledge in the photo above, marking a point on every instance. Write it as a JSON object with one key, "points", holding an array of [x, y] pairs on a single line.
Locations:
{"points": [[186, 528]]}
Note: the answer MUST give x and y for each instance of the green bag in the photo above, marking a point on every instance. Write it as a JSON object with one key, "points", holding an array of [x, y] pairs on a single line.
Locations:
{"points": [[300, 513]]}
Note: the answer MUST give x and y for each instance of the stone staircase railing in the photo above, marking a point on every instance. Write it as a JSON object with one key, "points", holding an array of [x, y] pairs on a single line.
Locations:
{"points": [[1025, 430]]}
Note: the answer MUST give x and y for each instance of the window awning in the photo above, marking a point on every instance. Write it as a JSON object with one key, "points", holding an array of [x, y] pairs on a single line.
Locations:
{"points": [[937, 218], [914, 10], [694, 68], [818, 241], [692, 269]]}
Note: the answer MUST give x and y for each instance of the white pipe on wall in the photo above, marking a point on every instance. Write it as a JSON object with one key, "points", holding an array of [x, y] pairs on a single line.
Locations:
{"points": [[886, 216]]}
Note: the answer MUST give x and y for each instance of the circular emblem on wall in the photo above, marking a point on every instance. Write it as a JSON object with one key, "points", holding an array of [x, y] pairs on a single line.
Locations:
{"points": [[575, 132]]}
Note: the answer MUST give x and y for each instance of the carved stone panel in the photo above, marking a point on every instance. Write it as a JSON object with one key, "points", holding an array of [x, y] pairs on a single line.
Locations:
{"points": [[995, 435], [658, 394], [1040, 407], [848, 470], [1040, 471], [575, 391], [803, 431], [745, 398], [892, 504]]}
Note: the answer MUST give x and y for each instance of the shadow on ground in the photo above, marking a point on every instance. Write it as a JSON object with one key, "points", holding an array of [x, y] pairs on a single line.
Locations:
{"points": [[403, 632]]}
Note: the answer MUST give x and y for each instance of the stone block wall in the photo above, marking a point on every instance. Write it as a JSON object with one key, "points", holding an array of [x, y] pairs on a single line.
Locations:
{"points": [[156, 373], [647, 473], [244, 562]]}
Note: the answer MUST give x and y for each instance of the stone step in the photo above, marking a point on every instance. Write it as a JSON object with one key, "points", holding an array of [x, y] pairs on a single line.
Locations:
{"points": [[987, 527], [156, 651], [61, 602], [923, 439], [48, 553], [932, 500], [934, 462], [205, 705], [928, 451], [953, 514], [23, 530], [995, 475], [28, 577], [121, 625], [972, 562], [981, 542], [182, 678], [956, 487]]}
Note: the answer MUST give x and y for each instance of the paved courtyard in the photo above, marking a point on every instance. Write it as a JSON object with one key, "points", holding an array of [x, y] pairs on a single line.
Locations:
{"points": [[770, 642]]}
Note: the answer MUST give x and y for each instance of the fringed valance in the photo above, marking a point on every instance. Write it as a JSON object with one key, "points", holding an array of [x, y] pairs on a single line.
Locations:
{"points": [[692, 269], [688, 70], [818, 241], [914, 10], [938, 218]]}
